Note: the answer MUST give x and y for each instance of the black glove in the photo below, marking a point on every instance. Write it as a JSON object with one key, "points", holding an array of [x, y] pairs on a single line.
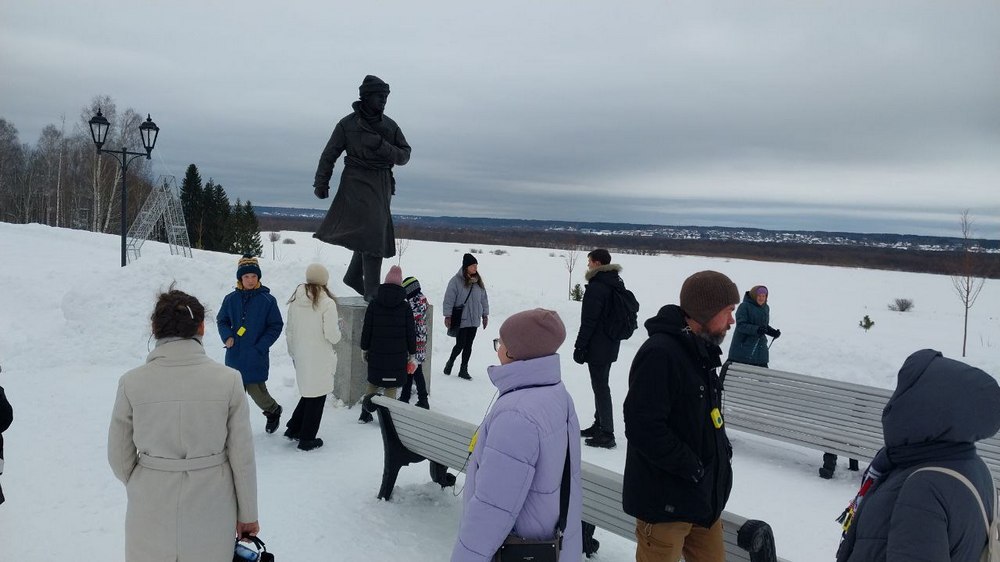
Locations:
{"points": [[761, 330], [322, 192], [773, 333], [580, 355]]}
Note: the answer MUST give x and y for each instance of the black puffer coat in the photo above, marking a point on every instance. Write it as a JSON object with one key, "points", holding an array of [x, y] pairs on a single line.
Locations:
{"points": [[939, 409], [601, 283], [389, 335], [678, 465], [359, 217]]}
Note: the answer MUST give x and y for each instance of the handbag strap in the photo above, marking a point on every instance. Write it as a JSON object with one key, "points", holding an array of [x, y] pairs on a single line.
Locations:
{"points": [[564, 485], [961, 478], [467, 297]]}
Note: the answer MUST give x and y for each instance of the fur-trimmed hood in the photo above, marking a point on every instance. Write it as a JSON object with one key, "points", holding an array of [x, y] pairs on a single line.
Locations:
{"points": [[610, 267]]}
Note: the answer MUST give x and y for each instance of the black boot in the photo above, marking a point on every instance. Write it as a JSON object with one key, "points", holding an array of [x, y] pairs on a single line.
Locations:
{"points": [[829, 466], [604, 441], [354, 276], [448, 365], [365, 416], [464, 374], [592, 431], [273, 419], [291, 434], [310, 444], [422, 403]]}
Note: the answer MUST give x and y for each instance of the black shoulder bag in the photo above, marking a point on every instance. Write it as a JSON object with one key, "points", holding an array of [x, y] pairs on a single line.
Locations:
{"points": [[516, 549], [456, 316]]}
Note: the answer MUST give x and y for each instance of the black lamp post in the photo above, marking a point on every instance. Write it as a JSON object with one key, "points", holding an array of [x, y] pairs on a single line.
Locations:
{"points": [[99, 131]]}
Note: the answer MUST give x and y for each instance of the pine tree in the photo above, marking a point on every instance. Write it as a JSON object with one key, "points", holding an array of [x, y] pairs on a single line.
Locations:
{"points": [[215, 218], [245, 230], [191, 204]]}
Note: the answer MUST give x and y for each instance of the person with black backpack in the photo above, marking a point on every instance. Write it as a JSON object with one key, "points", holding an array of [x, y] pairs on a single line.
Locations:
{"points": [[609, 315]]}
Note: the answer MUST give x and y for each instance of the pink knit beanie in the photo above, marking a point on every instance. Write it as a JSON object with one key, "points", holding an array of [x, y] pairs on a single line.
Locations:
{"points": [[395, 276]]}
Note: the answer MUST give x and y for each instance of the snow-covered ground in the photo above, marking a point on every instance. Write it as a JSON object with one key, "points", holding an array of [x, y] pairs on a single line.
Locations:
{"points": [[72, 321]]}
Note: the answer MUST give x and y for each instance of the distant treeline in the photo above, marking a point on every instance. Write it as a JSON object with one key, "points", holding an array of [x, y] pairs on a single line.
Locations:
{"points": [[917, 261]]}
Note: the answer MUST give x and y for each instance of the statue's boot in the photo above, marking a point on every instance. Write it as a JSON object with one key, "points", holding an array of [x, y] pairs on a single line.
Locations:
{"points": [[354, 276], [373, 274]]}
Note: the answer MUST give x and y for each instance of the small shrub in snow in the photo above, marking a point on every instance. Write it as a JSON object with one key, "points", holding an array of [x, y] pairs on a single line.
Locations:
{"points": [[288, 241], [499, 252], [577, 293], [866, 323], [901, 305]]}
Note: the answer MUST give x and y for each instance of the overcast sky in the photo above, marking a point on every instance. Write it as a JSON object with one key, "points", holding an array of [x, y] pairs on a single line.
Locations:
{"points": [[871, 116]]}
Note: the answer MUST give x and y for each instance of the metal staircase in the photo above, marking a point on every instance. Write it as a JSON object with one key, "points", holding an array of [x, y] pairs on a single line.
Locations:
{"points": [[162, 207]]}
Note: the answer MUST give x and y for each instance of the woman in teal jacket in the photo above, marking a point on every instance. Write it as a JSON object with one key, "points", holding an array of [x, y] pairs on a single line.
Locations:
{"points": [[753, 319]]}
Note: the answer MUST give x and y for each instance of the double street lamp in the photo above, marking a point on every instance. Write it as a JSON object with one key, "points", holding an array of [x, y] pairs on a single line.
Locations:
{"points": [[99, 126]]}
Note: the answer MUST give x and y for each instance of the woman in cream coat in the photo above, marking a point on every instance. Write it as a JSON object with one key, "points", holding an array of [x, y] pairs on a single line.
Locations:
{"points": [[312, 330], [180, 441]]}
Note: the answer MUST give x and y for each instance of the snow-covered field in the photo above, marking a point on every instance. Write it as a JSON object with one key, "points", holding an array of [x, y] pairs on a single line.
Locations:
{"points": [[72, 321]]}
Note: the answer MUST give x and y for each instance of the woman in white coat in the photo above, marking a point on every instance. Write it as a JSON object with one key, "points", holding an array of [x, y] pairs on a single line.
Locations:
{"points": [[311, 331], [180, 441]]}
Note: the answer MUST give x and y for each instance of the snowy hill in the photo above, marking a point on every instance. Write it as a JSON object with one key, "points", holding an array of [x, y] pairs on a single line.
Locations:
{"points": [[72, 321]]}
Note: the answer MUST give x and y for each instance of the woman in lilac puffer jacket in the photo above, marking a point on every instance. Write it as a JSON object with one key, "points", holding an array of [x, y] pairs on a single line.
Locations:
{"points": [[514, 475]]}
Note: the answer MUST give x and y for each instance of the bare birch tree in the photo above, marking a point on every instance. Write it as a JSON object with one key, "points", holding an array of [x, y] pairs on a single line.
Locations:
{"points": [[966, 283], [402, 244], [570, 260]]}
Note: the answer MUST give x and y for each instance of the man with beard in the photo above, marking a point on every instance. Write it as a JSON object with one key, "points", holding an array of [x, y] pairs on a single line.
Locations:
{"points": [[678, 471], [359, 218]]}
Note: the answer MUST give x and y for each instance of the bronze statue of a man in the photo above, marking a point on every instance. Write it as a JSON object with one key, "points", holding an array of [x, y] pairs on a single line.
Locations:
{"points": [[359, 218]]}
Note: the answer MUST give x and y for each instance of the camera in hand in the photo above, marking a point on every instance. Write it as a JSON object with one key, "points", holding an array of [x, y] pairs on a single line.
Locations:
{"points": [[243, 553]]}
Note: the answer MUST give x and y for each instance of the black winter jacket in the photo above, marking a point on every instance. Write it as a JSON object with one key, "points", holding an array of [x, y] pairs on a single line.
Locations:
{"points": [[678, 465], [939, 409], [389, 335], [599, 348]]}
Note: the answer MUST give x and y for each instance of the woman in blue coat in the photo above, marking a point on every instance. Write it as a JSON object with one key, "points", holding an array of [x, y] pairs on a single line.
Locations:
{"points": [[249, 323], [753, 319]]}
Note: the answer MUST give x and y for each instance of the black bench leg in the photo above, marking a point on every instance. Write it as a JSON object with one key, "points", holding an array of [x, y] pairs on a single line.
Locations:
{"points": [[396, 455], [757, 538], [853, 465]]}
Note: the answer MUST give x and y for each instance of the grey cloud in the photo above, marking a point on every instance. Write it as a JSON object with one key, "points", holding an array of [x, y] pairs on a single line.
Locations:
{"points": [[578, 108]]}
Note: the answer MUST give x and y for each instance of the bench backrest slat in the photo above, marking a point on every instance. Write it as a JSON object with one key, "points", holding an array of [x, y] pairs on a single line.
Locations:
{"points": [[832, 416]]}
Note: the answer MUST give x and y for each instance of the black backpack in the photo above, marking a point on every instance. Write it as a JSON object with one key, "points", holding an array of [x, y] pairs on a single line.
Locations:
{"points": [[622, 313]]}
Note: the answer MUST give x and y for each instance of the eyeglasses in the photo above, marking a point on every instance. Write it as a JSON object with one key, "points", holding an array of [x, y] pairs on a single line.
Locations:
{"points": [[496, 344]]}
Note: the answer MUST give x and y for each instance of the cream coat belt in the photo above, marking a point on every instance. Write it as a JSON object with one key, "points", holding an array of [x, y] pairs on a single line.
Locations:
{"points": [[182, 465]]}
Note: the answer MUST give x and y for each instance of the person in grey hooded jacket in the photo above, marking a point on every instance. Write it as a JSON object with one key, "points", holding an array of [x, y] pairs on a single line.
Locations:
{"points": [[940, 408]]}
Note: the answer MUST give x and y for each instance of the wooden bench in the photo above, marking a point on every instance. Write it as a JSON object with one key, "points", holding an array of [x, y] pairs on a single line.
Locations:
{"points": [[411, 434], [821, 414]]}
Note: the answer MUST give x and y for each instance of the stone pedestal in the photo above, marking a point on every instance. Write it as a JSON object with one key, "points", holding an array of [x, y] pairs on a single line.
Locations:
{"points": [[351, 379]]}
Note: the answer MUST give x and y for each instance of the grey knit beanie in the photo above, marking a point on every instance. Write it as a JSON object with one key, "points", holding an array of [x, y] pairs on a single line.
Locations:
{"points": [[705, 293], [532, 333]]}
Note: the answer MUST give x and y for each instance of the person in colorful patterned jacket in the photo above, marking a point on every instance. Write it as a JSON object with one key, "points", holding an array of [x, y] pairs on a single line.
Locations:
{"points": [[415, 366]]}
